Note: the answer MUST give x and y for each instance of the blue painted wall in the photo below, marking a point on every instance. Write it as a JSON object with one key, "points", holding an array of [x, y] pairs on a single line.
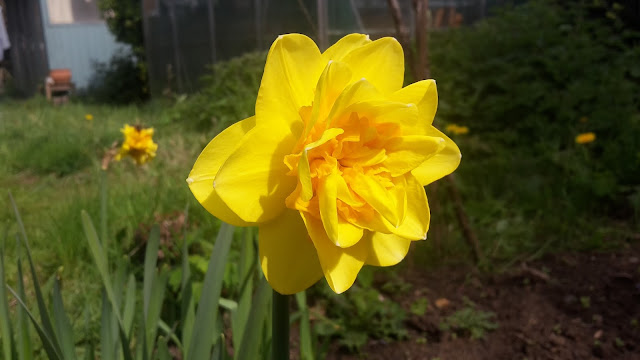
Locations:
{"points": [[77, 46]]}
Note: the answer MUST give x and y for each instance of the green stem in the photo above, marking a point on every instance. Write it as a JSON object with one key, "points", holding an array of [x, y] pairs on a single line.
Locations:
{"points": [[280, 327]]}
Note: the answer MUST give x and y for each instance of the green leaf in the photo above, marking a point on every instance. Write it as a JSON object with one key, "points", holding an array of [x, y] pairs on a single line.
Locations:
{"points": [[154, 310], [25, 351], [47, 343], [163, 350], [129, 305], [150, 262], [306, 346], [99, 257], [188, 313], [107, 342], [246, 266], [250, 348], [88, 350], [207, 313], [8, 345], [47, 327], [65, 333]]}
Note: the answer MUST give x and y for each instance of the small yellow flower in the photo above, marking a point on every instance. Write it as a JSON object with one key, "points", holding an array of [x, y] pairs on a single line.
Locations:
{"points": [[88, 117], [585, 138], [456, 129], [332, 167], [138, 144], [584, 119]]}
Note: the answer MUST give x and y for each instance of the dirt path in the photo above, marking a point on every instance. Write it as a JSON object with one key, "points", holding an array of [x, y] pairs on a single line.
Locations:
{"points": [[570, 306]]}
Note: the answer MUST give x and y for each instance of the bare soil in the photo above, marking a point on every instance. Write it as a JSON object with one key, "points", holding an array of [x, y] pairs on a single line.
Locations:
{"points": [[566, 306]]}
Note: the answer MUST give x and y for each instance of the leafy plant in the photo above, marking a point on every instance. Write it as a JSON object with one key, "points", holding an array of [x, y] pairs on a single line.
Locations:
{"points": [[358, 315], [125, 335], [228, 94], [470, 321]]}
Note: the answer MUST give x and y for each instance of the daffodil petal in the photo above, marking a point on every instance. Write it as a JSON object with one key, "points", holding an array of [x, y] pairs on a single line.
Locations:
{"points": [[441, 164], [340, 265], [287, 255], [424, 94], [253, 181], [206, 168], [344, 46], [417, 215], [381, 62], [340, 232], [377, 196], [405, 153], [332, 82], [289, 80], [385, 249]]}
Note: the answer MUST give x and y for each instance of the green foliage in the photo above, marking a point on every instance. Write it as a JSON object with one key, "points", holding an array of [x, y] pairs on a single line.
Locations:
{"points": [[533, 77], [124, 19], [359, 314], [419, 307], [228, 94], [122, 80], [124, 335], [526, 82], [470, 321]]}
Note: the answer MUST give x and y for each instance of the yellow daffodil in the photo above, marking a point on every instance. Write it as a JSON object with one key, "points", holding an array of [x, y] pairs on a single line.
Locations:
{"points": [[585, 138], [138, 144], [88, 117], [332, 166], [457, 129]]}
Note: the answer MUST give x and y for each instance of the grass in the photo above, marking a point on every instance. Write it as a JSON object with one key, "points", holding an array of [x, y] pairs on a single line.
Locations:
{"points": [[51, 188]]}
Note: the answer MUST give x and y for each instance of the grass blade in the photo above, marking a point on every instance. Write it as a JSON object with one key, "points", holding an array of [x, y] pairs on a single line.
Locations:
{"points": [[250, 348], [129, 305], [188, 313], [150, 262], [63, 327], [163, 350], [47, 343], [99, 257], [306, 346], [207, 313], [155, 308], [246, 267], [88, 351], [25, 351], [8, 345], [107, 346], [47, 327]]}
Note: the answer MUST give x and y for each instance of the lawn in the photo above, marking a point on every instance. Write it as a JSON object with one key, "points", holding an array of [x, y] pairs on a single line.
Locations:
{"points": [[549, 212]]}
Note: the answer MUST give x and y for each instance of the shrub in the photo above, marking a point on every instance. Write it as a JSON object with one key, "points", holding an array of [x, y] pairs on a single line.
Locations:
{"points": [[228, 94], [533, 77]]}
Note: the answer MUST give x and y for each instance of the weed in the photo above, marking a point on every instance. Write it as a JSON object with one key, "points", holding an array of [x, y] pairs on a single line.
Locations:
{"points": [[470, 321]]}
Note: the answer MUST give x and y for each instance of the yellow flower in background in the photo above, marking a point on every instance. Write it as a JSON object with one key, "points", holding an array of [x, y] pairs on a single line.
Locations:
{"points": [[138, 144], [585, 138], [584, 119], [332, 166], [456, 129], [88, 117]]}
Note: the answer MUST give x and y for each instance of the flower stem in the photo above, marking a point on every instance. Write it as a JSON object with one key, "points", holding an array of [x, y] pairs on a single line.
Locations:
{"points": [[280, 327]]}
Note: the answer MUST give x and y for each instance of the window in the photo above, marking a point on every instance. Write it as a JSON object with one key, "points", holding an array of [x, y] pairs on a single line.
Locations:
{"points": [[73, 11]]}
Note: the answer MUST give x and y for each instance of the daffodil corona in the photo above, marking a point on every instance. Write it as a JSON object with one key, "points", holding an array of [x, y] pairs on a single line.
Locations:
{"points": [[138, 144], [332, 166]]}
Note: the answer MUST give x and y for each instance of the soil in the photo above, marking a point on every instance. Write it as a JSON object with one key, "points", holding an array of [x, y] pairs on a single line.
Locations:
{"points": [[566, 306]]}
